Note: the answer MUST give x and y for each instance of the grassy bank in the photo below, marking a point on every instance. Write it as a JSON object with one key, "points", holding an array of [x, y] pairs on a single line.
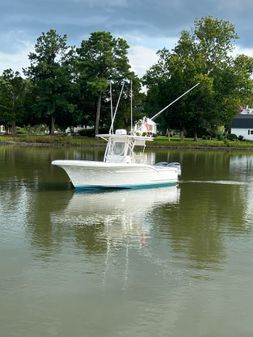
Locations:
{"points": [[159, 142], [202, 143], [59, 140]]}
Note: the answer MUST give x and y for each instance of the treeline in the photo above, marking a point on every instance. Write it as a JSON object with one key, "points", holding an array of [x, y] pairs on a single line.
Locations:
{"points": [[67, 86]]}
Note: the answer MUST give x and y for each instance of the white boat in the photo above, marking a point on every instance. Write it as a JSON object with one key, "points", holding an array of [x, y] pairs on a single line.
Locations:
{"points": [[120, 167]]}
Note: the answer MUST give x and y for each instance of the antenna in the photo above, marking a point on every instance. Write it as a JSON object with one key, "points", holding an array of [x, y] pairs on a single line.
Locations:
{"points": [[111, 102], [113, 119], [158, 113], [131, 93]]}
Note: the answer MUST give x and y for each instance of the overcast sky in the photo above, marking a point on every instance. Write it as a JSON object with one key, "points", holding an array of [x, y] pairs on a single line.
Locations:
{"points": [[147, 25]]}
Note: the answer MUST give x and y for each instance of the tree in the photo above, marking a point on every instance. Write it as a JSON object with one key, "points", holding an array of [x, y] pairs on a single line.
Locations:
{"points": [[201, 55], [50, 72], [12, 93], [100, 59]]}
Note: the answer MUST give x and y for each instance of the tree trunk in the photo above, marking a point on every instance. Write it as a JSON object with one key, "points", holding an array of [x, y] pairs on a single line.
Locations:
{"points": [[195, 135], [6, 128], [182, 134], [98, 114], [52, 125], [13, 127]]}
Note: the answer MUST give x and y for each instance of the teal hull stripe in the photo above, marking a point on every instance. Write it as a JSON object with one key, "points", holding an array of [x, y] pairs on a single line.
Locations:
{"points": [[101, 187]]}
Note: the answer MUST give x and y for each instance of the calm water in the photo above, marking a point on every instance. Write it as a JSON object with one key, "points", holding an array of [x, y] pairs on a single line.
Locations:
{"points": [[158, 262]]}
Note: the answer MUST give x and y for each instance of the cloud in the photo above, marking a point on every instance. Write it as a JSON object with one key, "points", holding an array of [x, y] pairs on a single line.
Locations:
{"points": [[161, 18], [16, 60], [143, 51], [240, 50], [147, 25], [141, 59]]}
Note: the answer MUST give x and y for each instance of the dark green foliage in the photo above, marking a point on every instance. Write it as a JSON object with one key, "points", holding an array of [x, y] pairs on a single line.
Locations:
{"points": [[12, 97], [50, 73], [100, 59], [204, 56], [232, 136], [87, 132]]}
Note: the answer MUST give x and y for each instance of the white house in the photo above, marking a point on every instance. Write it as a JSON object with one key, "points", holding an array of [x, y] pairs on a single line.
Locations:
{"points": [[145, 125], [242, 124], [2, 129]]}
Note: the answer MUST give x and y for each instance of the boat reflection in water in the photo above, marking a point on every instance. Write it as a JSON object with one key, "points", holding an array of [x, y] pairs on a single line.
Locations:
{"points": [[115, 225], [117, 214]]}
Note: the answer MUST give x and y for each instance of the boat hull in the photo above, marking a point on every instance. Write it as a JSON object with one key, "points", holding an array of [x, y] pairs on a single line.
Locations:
{"points": [[100, 175]]}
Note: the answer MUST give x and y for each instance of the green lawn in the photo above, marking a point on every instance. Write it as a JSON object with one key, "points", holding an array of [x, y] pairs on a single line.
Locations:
{"points": [[191, 143]]}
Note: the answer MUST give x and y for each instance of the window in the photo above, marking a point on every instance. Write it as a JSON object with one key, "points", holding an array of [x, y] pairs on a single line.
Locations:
{"points": [[118, 148]]}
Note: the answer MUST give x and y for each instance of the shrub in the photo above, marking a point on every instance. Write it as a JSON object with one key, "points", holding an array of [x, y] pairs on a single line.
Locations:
{"points": [[220, 137], [226, 142], [21, 131], [232, 137], [86, 132], [240, 137], [91, 132]]}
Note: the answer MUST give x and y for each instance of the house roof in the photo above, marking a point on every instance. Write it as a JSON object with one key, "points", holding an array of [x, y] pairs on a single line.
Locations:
{"points": [[242, 121]]}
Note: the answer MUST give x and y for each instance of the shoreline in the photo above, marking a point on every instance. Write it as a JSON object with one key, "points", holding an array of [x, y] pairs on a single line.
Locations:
{"points": [[177, 147]]}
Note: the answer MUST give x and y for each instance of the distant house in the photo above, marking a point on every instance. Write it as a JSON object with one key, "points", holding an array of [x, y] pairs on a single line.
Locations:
{"points": [[2, 129], [145, 125], [242, 124]]}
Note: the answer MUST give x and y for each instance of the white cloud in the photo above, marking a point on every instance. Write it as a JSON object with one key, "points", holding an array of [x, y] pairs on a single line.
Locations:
{"points": [[143, 51], [142, 58], [241, 50], [16, 61]]}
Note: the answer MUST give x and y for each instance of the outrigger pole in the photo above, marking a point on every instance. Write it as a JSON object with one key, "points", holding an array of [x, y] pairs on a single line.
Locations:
{"points": [[158, 113]]}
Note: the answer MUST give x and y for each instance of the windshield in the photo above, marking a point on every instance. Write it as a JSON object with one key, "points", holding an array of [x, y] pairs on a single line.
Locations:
{"points": [[118, 148]]}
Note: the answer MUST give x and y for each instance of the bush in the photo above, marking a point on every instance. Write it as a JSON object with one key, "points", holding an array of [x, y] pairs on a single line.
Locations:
{"points": [[206, 137], [226, 142], [232, 137], [91, 132], [220, 137], [21, 131], [86, 132], [240, 137]]}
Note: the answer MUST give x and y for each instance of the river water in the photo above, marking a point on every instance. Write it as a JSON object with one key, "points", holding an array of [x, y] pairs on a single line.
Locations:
{"points": [[157, 262]]}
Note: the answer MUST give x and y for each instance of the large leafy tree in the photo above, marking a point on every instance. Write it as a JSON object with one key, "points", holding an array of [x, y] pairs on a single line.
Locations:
{"points": [[202, 55], [100, 59], [50, 72], [12, 93]]}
